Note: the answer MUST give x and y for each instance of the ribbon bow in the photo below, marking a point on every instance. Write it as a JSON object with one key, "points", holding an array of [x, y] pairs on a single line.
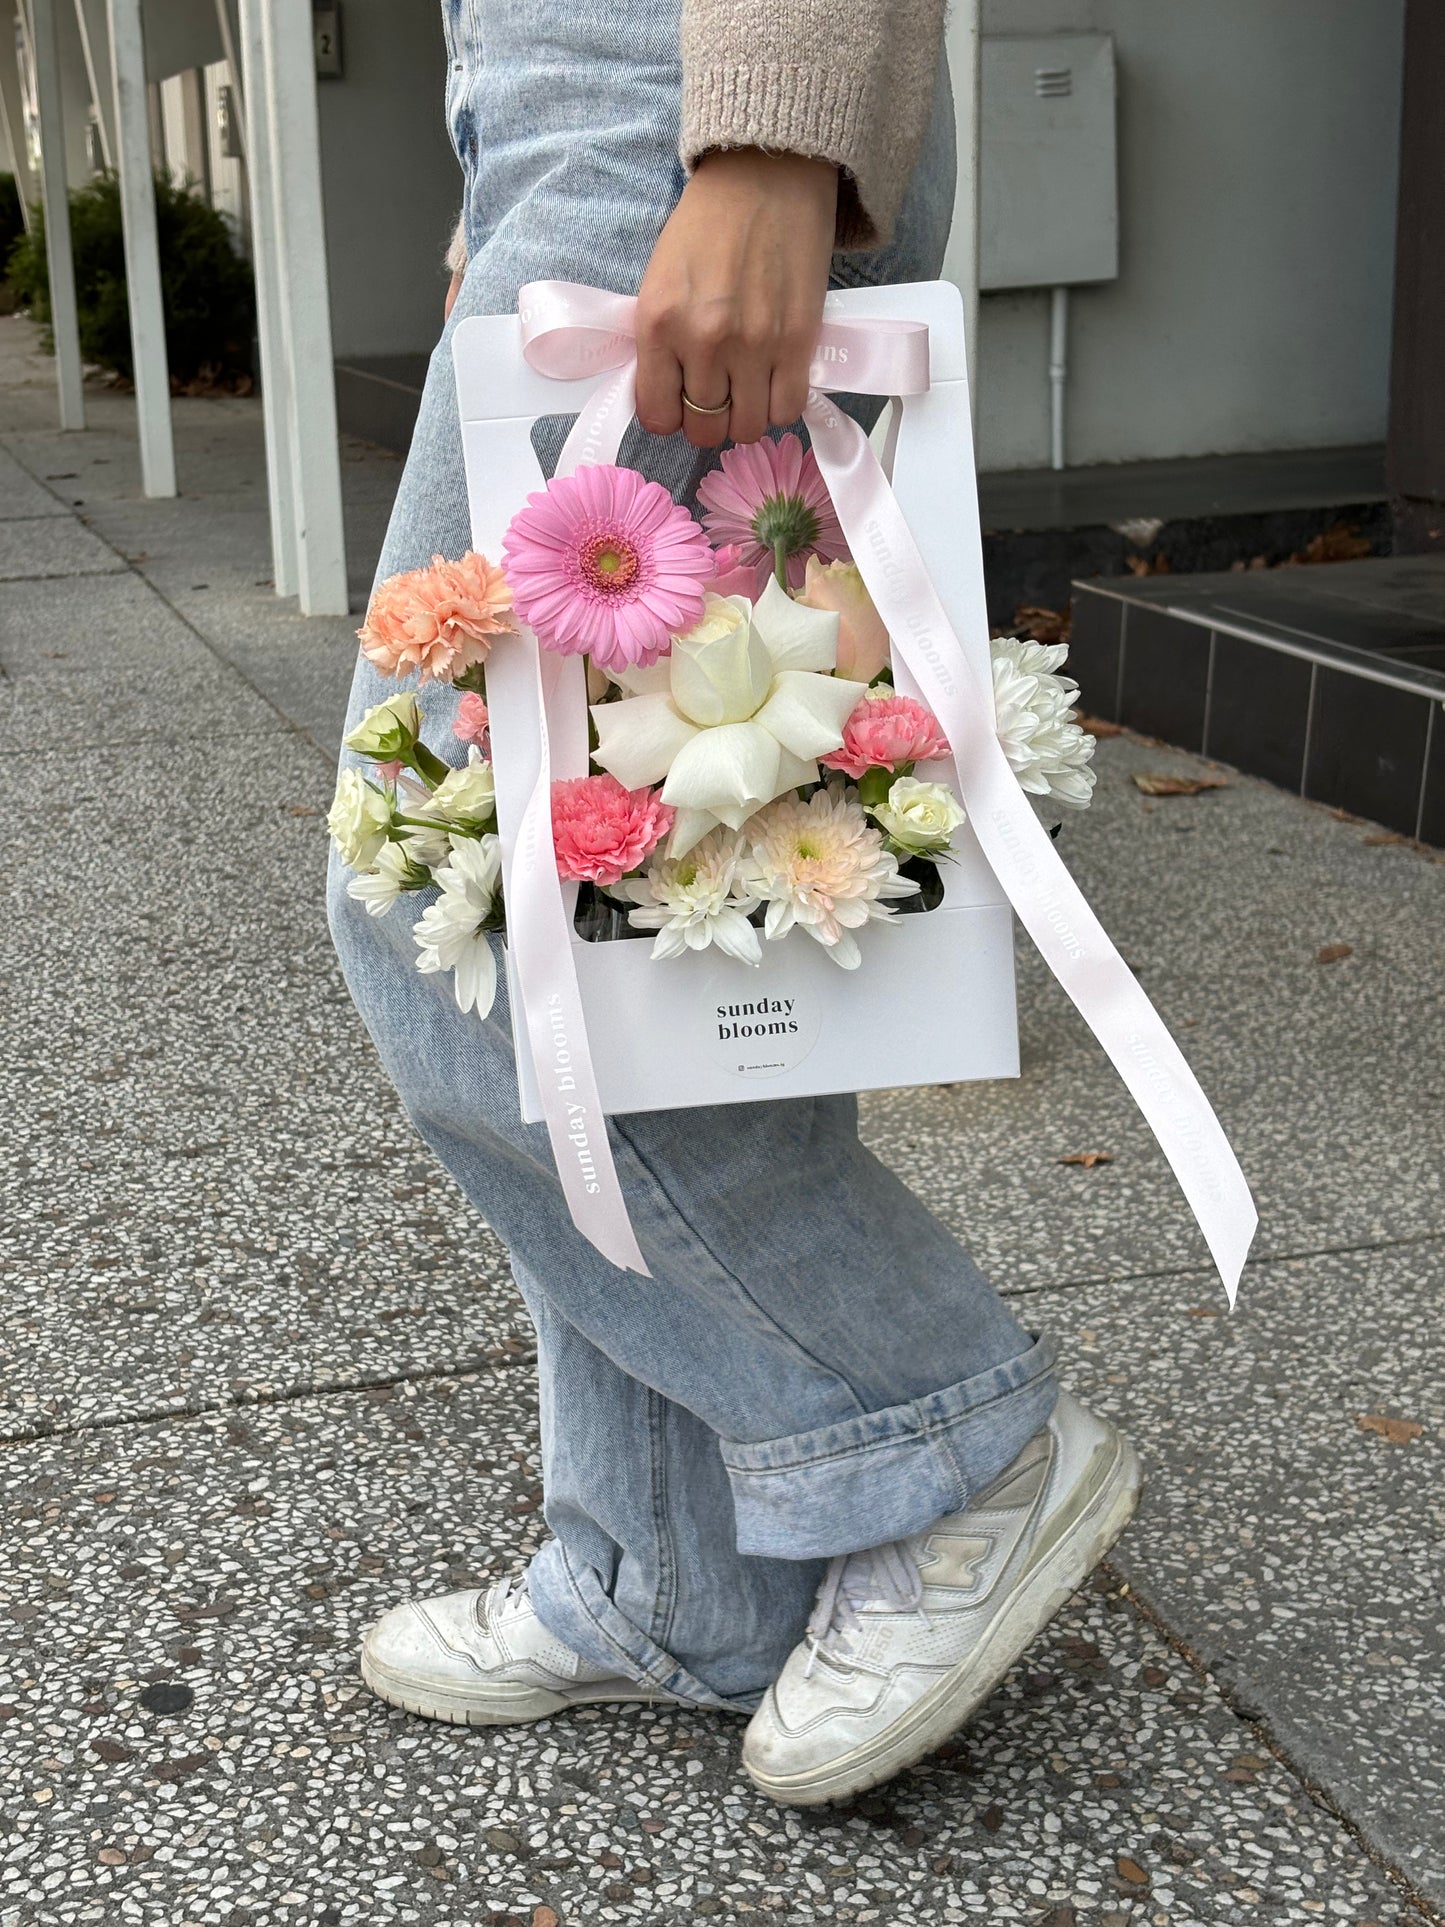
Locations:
{"points": [[570, 332]]}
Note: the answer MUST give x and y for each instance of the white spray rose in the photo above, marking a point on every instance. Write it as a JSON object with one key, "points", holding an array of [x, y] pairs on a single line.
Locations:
{"points": [[359, 819], [466, 795], [389, 730], [919, 816]]}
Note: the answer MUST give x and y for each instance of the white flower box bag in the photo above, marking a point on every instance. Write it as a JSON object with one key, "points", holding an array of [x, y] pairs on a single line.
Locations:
{"points": [[933, 999], [601, 1027]]}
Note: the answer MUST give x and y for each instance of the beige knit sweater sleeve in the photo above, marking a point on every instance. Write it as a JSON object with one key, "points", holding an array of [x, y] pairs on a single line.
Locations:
{"points": [[849, 83]]}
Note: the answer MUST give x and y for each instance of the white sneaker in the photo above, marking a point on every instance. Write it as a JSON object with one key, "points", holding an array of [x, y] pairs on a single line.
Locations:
{"points": [[482, 1659], [908, 1640]]}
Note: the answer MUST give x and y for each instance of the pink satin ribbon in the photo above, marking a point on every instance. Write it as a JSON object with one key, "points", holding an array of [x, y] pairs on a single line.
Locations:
{"points": [[569, 332]]}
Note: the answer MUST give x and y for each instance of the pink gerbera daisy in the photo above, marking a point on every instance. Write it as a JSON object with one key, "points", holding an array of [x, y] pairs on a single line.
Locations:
{"points": [[769, 498], [605, 564]]}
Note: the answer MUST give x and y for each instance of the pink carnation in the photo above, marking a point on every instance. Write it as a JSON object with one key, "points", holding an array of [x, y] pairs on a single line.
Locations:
{"points": [[885, 731], [601, 831], [438, 621], [471, 722]]}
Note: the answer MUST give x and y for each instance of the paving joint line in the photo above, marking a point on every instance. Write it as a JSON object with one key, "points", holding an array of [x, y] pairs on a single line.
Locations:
{"points": [[468, 1369], [1145, 1610], [1206, 1271]]}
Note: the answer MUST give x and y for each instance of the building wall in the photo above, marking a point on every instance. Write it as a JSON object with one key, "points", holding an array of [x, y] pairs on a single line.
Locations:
{"points": [[391, 180], [1257, 162]]}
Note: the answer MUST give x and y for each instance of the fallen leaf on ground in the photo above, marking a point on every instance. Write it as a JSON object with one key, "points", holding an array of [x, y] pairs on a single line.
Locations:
{"points": [[1200, 1311], [1131, 1871], [1385, 836], [1399, 1431], [1342, 543], [1154, 784], [1334, 952], [544, 1917], [1088, 1158], [1044, 625], [1096, 725]]}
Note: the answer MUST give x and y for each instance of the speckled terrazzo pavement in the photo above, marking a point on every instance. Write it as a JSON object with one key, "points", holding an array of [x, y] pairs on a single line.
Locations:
{"points": [[262, 1372]]}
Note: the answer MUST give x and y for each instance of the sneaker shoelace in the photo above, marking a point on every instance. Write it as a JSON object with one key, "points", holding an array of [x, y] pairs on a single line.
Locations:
{"points": [[499, 1596], [884, 1576]]}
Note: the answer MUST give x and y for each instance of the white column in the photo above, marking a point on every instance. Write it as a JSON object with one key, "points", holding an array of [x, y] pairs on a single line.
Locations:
{"points": [[142, 250], [960, 264], [304, 299], [59, 262], [95, 46], [12, 112], [265, 258]]}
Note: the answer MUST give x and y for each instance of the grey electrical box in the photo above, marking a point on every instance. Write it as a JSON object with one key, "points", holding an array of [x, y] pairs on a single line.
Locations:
{"points": [[1048, 180], [326, 23]]}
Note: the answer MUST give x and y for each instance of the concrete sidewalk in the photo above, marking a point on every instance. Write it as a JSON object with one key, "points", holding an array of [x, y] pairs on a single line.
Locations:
{"points": [[262, 1372]]}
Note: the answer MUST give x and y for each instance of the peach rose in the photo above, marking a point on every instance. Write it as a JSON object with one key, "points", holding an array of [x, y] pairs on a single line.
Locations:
{"points": [[862, 639]]}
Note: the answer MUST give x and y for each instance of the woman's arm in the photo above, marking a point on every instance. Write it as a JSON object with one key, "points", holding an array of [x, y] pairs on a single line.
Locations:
{"points": [[801, 123]]}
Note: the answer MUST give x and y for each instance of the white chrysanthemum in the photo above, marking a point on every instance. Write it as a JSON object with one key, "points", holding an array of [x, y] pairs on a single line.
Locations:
{"points": [[700, 899], [450, 932], [822, 866], [1046, 749], [380, 886], [359, 819]]}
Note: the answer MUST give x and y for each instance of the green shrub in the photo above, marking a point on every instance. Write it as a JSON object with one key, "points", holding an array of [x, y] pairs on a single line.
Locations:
{"points": [[12, 221], [205, 283]]}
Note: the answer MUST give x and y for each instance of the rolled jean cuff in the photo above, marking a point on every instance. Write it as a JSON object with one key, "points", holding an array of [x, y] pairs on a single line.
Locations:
{"points": [[883, 1475]]}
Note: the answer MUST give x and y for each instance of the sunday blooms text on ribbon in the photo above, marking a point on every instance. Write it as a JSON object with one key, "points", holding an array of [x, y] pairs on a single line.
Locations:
{"points": [[570, 331]]}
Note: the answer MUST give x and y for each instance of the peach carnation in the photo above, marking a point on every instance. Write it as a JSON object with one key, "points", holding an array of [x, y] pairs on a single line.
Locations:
{"points": [[436, 622], [886, 731], [601, 831]]}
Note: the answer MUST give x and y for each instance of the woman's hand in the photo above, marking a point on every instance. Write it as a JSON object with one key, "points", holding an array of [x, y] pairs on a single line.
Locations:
{"points": [[730, 306]]}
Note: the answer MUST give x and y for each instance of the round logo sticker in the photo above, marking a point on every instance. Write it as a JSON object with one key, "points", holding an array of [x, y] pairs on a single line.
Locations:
{"points": [[764, 1036]]}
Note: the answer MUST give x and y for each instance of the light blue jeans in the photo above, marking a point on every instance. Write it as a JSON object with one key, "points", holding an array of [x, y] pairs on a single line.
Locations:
{"points": [[815, 1364]]}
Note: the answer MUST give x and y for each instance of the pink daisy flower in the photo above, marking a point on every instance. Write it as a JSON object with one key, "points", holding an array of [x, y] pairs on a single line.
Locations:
{"points": [[600, 830], [769, 498], [604, 563], [886, 731]]}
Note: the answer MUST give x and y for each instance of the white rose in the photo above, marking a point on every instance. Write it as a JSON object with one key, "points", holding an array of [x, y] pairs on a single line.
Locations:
{"points": [[467, 795], [920, 816], [720, 670], [359, 819], [388, 731]]}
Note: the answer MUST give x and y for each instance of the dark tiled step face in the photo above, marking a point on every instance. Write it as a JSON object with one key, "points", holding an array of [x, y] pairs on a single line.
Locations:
{"points": [[1312, 726]]}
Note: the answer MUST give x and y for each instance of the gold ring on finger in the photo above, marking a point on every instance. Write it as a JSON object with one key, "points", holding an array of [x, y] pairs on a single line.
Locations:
{"points": [[697, 408]]}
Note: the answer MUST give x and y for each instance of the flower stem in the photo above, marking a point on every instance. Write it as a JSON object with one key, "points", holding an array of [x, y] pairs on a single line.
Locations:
{"points": [[780, 562], [428, 766]]}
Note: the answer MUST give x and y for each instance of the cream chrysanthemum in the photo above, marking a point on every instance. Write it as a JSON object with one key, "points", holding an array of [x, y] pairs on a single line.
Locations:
{"points": [[1034, 707], [700, 899], [821, 865], [451, 934]]}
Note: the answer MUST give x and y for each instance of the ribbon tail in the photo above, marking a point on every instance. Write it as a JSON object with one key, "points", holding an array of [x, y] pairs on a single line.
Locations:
{"points": [[1048, 902], [551, 1002]]}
